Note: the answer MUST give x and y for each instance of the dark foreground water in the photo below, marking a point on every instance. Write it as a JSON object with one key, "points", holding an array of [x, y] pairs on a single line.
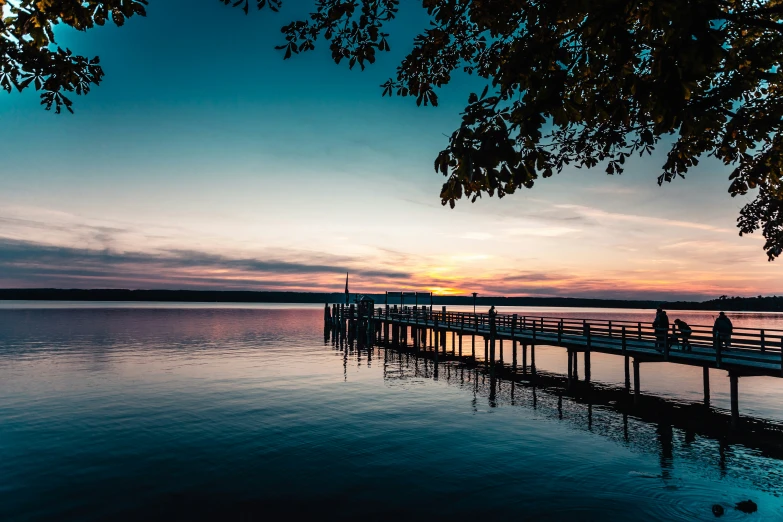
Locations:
{"points": [[236, 413]]}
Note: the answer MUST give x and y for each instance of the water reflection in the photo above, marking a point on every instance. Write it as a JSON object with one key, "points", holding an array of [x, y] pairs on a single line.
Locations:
{"points": [[669, 428], [247, 415]]}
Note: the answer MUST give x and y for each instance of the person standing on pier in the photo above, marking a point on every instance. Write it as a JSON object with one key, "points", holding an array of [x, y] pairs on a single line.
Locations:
{"points": [[685, 334], [722, 330], [492, 314], [661, 325]]}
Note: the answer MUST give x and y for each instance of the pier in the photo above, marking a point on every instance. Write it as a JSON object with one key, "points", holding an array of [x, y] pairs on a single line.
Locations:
{"points": [[508, 341]]}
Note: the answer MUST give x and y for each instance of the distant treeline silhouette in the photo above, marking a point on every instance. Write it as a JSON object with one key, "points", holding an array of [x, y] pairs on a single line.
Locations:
{"points": [[760, 303], [757, 304]]}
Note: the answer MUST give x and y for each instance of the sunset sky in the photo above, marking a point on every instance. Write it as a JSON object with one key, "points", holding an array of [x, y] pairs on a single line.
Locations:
{"points": [[206, 161]]}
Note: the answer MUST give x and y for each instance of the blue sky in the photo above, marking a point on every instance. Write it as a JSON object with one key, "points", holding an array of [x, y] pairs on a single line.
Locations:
{"points": [[206, 161]]}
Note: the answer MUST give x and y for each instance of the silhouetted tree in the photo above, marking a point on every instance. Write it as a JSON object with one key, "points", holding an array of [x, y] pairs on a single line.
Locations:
{"points": [[569, 82]]}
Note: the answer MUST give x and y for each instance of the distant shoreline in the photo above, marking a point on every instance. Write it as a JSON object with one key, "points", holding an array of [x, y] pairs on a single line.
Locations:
{"points": [[736, 304]]}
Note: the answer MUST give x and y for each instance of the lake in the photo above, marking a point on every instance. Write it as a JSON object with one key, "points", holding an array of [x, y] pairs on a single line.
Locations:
{"points": [[161, 411]]}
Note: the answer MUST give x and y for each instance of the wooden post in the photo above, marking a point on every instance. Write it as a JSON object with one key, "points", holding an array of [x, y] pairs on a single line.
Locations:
{"points": [[576, 364], [733, 380], [513, 342], [627, 375], [636, 386], [718, 348], [624, 343], [533, 358], [665, 343], [763, 343], [706, 378], [486, 350], [453, 342], [435, 333], [560, 332], [610, 329], [443, 334], [570, 368], [460, 344], [587, 366], [501, 350], [524, 357]]}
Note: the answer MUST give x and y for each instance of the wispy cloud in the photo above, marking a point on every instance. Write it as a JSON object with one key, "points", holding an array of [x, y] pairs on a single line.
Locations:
{"points": [[600, 214]]}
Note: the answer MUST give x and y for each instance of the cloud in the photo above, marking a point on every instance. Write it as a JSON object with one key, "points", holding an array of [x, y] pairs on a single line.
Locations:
{"points": [[25, 263], [599, 214]]}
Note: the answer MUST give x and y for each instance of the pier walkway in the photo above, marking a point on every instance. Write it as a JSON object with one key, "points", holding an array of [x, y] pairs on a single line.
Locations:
{"points": [[749, 352]]}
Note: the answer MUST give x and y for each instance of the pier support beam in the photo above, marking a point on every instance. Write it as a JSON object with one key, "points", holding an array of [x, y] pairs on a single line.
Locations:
{"points": [[514, 355], [524, 358], [533, 359], [570, 369], [636, 383], [587, 366], [734, 384], [706, 377], [627, 374], [575, 355]]}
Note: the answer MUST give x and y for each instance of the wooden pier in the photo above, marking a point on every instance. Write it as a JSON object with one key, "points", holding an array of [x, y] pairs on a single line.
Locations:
{"points": [[750, 352]]}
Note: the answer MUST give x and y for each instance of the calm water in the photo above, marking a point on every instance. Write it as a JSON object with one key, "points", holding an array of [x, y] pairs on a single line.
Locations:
{"points": [[199, 412]]}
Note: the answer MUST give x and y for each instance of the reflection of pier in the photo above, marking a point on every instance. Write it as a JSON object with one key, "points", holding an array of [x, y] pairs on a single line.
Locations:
{"points": [[749, 352], [652, 424]]}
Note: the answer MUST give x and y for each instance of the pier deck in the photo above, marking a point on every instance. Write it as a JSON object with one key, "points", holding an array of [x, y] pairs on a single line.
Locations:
{"points": [[748, 352]]}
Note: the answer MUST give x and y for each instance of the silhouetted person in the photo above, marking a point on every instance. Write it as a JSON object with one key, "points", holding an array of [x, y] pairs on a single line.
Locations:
{"points": [[722, 330], [492, 314], [661, 325], [684, 334]]}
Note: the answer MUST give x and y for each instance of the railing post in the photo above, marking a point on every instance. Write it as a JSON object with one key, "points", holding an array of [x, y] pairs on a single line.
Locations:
{"points": [[610, 329], [542, 325], [781, 356], [763, 344], [587, 355], [665, 343], [534, 332], [587, 333], [560, 332], [640, 331], [717, 345], [624, 342]]}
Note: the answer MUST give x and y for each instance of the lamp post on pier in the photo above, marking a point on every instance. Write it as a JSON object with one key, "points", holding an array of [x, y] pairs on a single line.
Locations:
{"points": [[474, 302]]}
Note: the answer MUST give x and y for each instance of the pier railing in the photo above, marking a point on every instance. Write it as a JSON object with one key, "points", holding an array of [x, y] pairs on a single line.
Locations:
{"points": [[629, 334]]}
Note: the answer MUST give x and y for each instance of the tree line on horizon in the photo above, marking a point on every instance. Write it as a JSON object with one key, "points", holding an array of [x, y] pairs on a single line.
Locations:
{"points": [[759, 303]]}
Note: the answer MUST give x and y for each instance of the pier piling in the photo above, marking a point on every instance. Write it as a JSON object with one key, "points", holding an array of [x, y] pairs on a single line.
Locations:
{"points": [[706, 378]]}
